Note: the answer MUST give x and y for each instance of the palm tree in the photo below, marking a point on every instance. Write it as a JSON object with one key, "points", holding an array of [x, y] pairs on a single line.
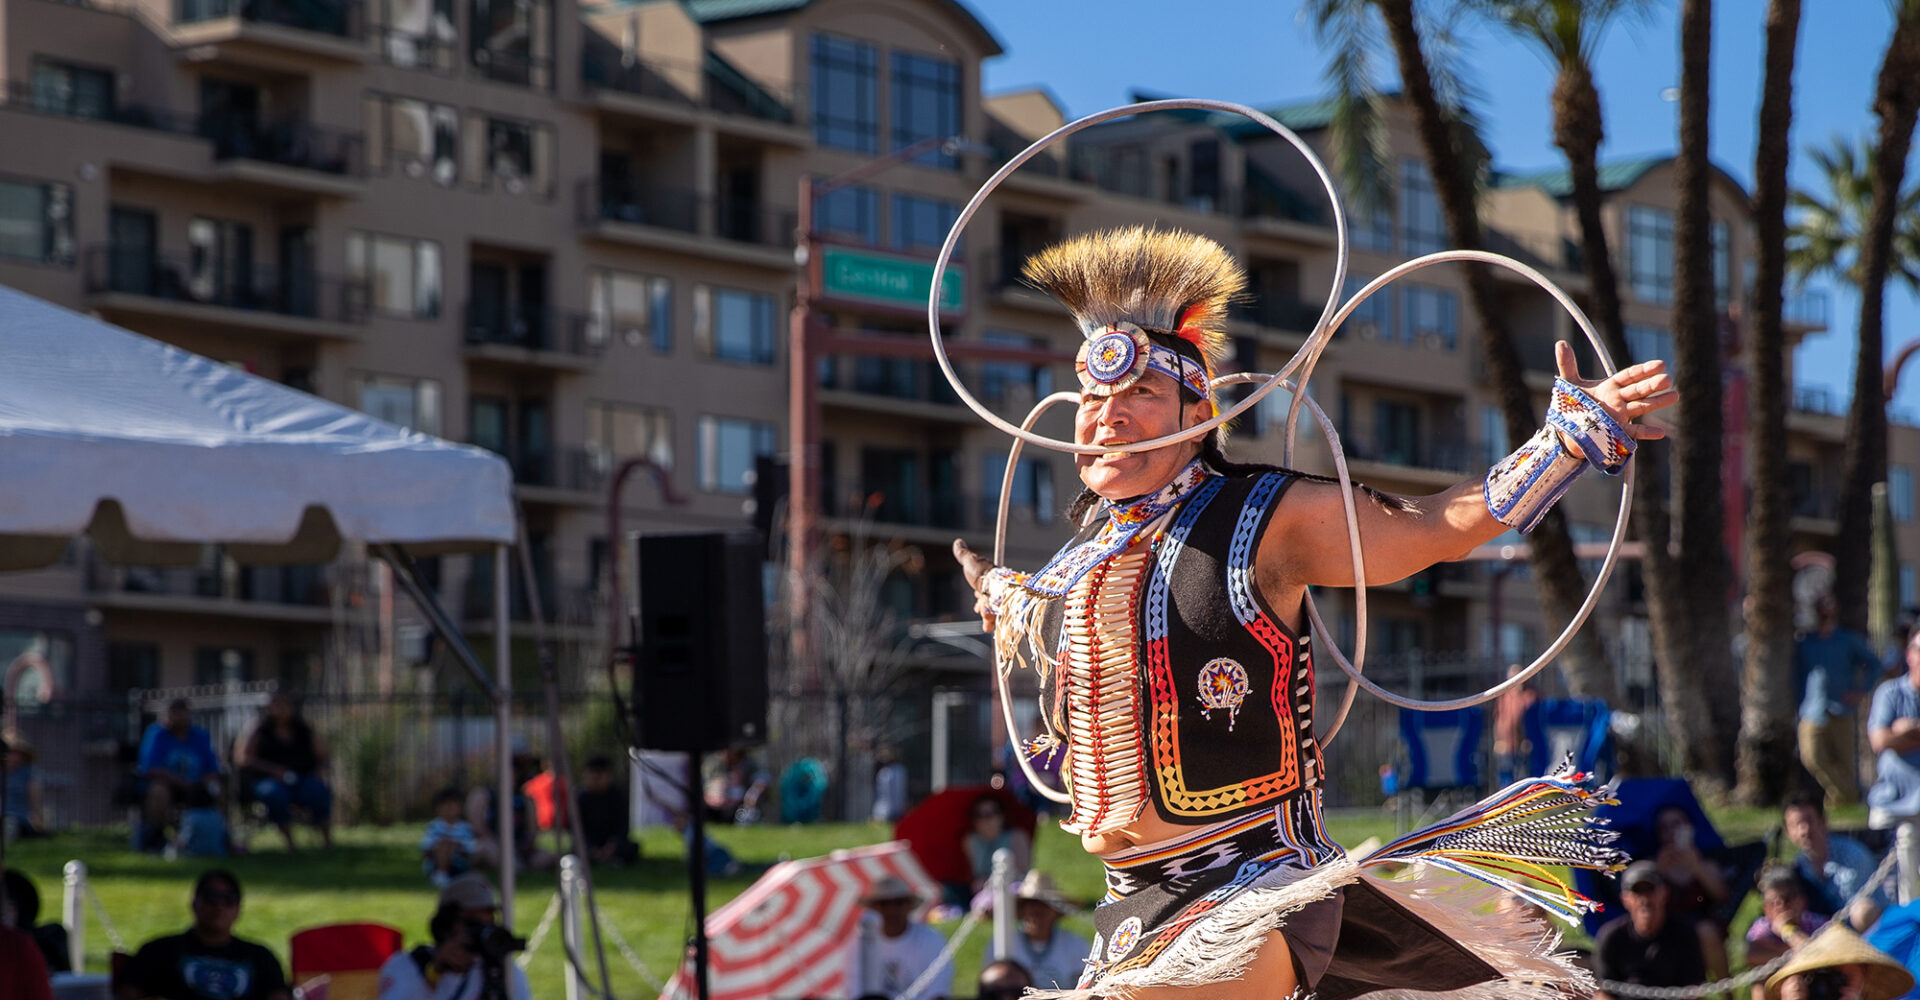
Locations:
{"points": [[1765, 751], [1896, 103], [1828, 232], [1454, 156]]}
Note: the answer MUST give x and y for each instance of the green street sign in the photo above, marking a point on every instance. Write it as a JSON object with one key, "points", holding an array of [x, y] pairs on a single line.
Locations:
{"points": [[885, 279]]}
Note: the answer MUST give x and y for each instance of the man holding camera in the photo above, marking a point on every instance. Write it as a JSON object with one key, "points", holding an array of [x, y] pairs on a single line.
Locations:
{"points": [[470, 958]]}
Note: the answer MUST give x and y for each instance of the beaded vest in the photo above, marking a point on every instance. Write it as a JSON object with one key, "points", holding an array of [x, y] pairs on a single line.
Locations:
{"points": [[1171, 678]]}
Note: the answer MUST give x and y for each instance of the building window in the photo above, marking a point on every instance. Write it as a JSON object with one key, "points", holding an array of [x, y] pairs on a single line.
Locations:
{"points": [[1032, 489], [220, 262], [1372, 319], [619, 431], [133, 665], [1396, 431], [846, 94], [1423, 228], [728, 448], [732, 325], [222, 665], [926, 105], [36, 222], [512, 41], [633, 307], [1646, 343], [1722, 264], [1650, 254], [849, 212], [921, 224], [414, 137], [1025, 384], [520, 156], [413, 403], [1371, 230], [65, 89], [1493, 432], [417, 33], [1900, 493], [402, 275], [1433, 317]]}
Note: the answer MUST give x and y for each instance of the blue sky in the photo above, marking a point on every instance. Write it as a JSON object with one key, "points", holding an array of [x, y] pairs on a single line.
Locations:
{"points": [[1258, 51]]}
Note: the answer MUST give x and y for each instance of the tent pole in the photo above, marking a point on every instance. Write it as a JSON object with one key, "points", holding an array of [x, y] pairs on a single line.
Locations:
{"points": [[405, 575], [503, 740]]}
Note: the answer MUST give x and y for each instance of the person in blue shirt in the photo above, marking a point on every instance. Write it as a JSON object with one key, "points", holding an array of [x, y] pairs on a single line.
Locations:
{"points": [[176, 759], [1834, 866], [1833, 668], [1893, 727]]}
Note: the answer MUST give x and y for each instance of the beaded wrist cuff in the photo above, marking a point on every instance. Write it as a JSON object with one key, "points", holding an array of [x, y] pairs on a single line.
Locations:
{"points": [[1607, 445], [995, 586], [1522, 487]]}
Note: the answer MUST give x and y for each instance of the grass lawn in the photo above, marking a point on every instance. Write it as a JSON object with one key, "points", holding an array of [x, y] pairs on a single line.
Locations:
{"points": [[374, 874]]}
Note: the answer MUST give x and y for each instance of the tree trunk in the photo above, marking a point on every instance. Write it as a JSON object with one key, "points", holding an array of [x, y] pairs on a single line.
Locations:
{"points": [[1896, 100], [1766, 745], [1562, 586], [1697, 658]]}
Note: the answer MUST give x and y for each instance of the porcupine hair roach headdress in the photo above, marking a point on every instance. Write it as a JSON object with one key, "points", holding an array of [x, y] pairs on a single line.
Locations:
{"points": [[1125, 285]]}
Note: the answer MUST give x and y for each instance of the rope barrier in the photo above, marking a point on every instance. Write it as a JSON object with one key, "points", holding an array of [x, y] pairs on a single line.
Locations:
{"points": [[1751, 976], [540, 932], [946, 956], [626, 951], [106, 922]]}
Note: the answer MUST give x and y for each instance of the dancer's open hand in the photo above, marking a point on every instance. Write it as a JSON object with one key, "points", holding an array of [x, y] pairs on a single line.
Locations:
{"points": [[1628, 394]]}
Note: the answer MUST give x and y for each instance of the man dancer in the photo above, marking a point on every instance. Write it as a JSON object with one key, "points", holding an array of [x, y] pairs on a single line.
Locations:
{"points": [[1176, 676]]}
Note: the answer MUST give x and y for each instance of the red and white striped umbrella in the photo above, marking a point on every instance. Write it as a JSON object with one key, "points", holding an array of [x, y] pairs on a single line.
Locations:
{"points": [[788, 934]]}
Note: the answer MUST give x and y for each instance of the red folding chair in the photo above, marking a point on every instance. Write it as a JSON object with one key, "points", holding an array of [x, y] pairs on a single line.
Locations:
{"points": [[348, 955]]}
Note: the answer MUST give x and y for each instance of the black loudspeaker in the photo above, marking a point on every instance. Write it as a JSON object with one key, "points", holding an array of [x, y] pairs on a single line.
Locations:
{"points": [[700, 672]]}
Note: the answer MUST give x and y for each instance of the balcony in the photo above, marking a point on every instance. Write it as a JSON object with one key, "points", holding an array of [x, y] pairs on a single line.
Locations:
{"points": [[1284, 314], [280, 593], [736, 230], [513, 66], [1441, 462], [287, 155], [265, 33], [531, 338], [896, 387], [1806, 310], [1814, 511], [678, 91], [132, 281]]}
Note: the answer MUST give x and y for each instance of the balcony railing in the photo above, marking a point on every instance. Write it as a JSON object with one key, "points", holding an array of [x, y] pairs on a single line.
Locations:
{"points": [[1278, 314], [715, 87], [737, 220], [519, 325], [1818, 504], [1444, 456], [1815, 399], [1807, 307], [858, 498], [342, 18], [288, 143], [304, 586], [208, 281], [512, 65]]}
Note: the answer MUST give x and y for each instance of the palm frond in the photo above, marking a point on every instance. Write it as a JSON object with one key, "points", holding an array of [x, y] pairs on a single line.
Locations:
{"points": [[1362, 154]]}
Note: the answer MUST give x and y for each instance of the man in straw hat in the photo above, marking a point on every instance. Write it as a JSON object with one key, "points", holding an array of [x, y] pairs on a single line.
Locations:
{"points": [[1838, 964], [1171, 641], [1053, 955], [892, 950]]}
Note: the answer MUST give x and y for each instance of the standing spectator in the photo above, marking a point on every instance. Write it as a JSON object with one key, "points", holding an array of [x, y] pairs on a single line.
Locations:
{"points": [[891, 950], [447, 848], [732, 787], [452, 968], [26, 809], [1893, 728], [1054, 956], [1784, 922], [606, 815], [1834, 866], [1003, 980], [1832, 667], [281, 761], [889, 787], [176, 761], [207, 962], [1644, 947], [987, 832]]}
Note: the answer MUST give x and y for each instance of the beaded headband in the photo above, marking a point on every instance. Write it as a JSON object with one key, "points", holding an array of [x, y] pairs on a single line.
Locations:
{"points": [[1113, 359]]}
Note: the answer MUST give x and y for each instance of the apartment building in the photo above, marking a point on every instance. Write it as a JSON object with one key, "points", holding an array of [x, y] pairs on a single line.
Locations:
{"points": [[565, 231]]}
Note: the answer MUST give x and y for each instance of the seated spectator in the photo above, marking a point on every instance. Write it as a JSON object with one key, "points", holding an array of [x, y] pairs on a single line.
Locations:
{"points": [[1645, 947], [1839, 964], [207, 962], [453, 967], [1833, 865], [176, 759], [1054, 957], [281, 761], [23, 973], [891, 950], [1695, 886], [1003, 980], [988, 832], [606, 815], [733, 785], [447, 848], [26, 809], [1785, 922], [484, 818], [20, 911]]}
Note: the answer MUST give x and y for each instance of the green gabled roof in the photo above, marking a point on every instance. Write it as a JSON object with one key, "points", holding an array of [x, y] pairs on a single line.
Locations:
{"points": [[1614, 176], [1300, 116], [714, 11]]}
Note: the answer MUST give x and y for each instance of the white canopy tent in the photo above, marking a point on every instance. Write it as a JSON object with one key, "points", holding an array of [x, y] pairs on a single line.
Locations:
{"points": [[153, 452]]}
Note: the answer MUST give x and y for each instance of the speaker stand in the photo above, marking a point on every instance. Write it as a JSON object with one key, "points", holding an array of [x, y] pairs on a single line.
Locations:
{"points": [[697, 871]]}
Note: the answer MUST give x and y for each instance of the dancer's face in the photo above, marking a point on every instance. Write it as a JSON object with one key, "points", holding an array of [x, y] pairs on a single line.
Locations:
{"points": [[1148, 409]]}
